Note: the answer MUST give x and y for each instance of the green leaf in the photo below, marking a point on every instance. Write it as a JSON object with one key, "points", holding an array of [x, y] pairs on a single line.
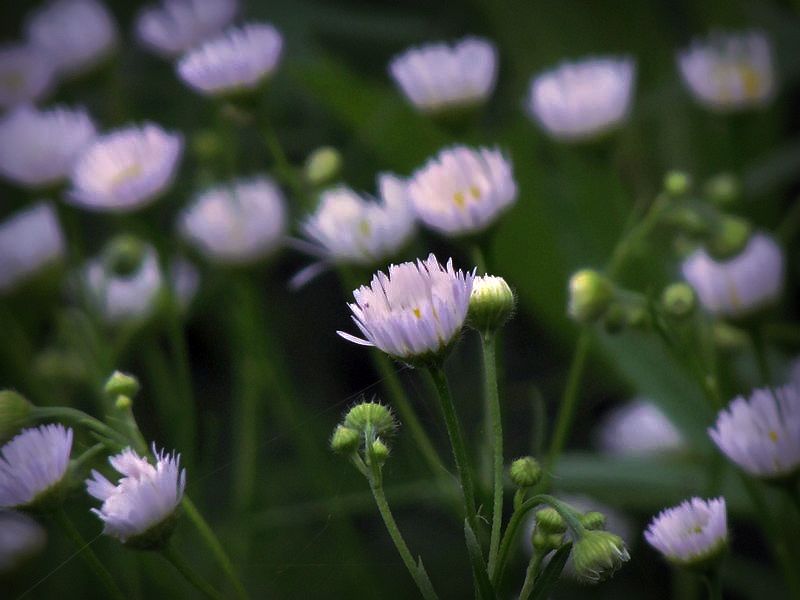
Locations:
{"points": [[548, 578], [485, 589]]}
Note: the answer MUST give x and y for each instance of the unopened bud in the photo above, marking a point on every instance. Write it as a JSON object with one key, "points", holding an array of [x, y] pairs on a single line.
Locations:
{"points": [[678, 300], [490, 304], [590, 294], [677, 183], [729, 338], [124, 254], [525, 472], [322, 165], [549, 521], [345, 440], [121, 384], [370, 416], [379, 451], [597, 555], [15, 410], [206, 145], [123, 403], [730, 238], [593, 520], [723, 189]]}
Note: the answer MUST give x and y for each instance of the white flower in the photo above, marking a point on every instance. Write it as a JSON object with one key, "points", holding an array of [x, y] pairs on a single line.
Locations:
{"points": [[762, 434], [239, 59], [125, 169], [75, 34], [583, 99], [415, 311], [144, 498], [39, 147], [728, 71], [20, 538], [30, 240], [739, 285], [33, 463], [174, 26], [440, 76], [185, 280], [236, 223], [638, 427], [352, 228], [26, 75], [692, 532], [462, 191]]}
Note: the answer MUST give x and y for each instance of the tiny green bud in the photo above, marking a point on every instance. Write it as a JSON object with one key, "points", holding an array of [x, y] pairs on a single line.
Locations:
{"points": [[123, 402], [678, 300], [539, 540], [206, 145], [729, 338], [550, 521], [677, 183], [121, 384], [723, 189], [370, 415], [379, 451], [593, 520], [15, 410], [730, 238], [322, 165], [525, 472], [345, 440], [590, 294], [124, 254], [597, 555], [491, 304]]}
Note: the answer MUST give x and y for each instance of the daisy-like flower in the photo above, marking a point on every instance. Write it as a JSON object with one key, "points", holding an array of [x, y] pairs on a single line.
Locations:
{"points": [[762, 434], [126, 169], [415, 312], [175, 26], [638, 427], [33, 464], [729, 71], [30, 240], [583, 99], [355, 229], [237, 223], [75, 34], [20, 538], [140, 511], [693, 533], [462, 191], [439, 76], [238, 60], [26, 74], [39, 147], [739, 285]]}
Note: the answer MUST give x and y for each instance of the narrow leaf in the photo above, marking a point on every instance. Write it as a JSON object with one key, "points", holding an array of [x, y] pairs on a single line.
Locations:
{"points": [[548, 578]]}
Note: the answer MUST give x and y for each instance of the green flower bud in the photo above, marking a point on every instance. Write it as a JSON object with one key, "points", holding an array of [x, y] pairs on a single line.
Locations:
{"points": [[730, 238], [549, 521], [723, 189], [678, 300], [590, 294], [688, 221], [593, 520], [15, 410], [206, 145], [597, 555], [677, 183], [729, 338], [370, 415], [345, 440], [121, 384], [525, 472], [322, 165], [491, 304], [379, 451], [124, 254], [123, 402], [544, 542]]}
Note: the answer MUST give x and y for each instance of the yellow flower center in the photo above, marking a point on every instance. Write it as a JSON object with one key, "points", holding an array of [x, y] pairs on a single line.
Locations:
{"points": [[773, 435]]}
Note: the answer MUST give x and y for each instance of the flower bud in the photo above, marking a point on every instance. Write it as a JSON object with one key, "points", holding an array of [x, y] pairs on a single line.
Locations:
{"points": [[15, 411], [678, 300], [525, 472], [123, 402], [729, 338], [730, 238], [590, 294], [597, 555], [206, 145], [370, 415], [345, 440], [379, 451], [322, 165], [124, 254], [593, 520], [677, 183], [723, 189], [490, 304], [121, 384], [549, 521], [543, 542]]}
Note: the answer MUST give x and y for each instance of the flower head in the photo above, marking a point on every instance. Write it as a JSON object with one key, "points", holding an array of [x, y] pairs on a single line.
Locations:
{"points": [[638, 427], [20, 538], [491, 303], [597, 555], [761, 434], [739, 285], [237, 60], [463, 191], [26, 74], [75, 34], [439, 76], [583, 99], [126, 169], [729, 71], [415, 312], [39, 147], [33, 464], [237, 223], [140, 510], [175, 26], [30, 239], [691, 534]]}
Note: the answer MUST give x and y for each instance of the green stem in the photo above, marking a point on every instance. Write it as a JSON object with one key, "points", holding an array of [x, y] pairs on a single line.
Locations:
{"points": [[530, 575], [180, 356], [478, 258], [286, 172], [760, 351], [714, 584], [496, 427], [79, 418], [184, 568], [88, 554]]}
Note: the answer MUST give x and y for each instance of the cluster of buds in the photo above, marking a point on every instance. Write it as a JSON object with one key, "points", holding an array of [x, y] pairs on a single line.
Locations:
{"points": [[594, 298], [362, 436]]}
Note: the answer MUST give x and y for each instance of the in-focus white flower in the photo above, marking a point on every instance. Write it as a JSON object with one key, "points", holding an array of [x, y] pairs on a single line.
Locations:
{"points": [[462, 191], [26, 75], [75, 34], [30, 239], [140, 509], [20, 538], [39, 147], [237, 60], [352, 228], [739, 285], [583, 99], [413, 313], [126, 169], [761, 434], [175, 26], [236, 223], [185, 280], [691, 533], [32, 465], [638, 427], [729, 71], [440, 76]]}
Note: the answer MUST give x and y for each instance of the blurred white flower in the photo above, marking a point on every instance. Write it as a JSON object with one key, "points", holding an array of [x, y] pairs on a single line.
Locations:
{"points": [[143, 501], [415, 311], [185, 280], [32, 464], [237, 223], [692, 532], [39, 147], [75, 34], [729, 71], [638, 427], [462, 191], [30, 239], [739, 285], [20, 538], [583, 99], [126, 169], [26, 75], [440, 76], [239, 59], [175, 26], [761, 434]]}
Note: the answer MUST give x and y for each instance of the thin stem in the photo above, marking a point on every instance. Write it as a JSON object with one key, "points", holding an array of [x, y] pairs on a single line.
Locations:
{"points": [[496, 426], [760, 352], [531, 574], [180, 356], [184, 568], [286, 172], [478, 258], [78, 417], [88, 554], [714, 584]]}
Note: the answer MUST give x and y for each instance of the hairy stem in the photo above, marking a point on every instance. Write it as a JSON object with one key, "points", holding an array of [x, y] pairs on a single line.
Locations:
{"points": [[496, 428]]}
